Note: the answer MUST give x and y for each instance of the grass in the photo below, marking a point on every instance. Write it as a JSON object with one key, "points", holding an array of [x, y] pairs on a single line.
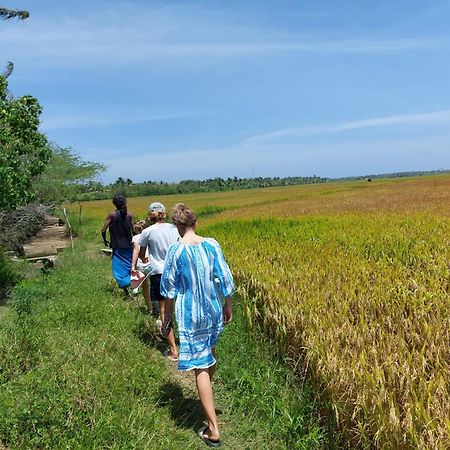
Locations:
{"points": [[80, 368]]}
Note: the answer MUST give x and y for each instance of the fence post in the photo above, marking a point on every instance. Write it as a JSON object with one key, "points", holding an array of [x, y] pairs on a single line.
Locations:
{"points": [[70, 228]]}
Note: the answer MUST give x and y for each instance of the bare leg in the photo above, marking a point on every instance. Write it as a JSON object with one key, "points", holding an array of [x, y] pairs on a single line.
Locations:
{"points": [[206, 395], [146, 290], [212, 369], [171, 336]]}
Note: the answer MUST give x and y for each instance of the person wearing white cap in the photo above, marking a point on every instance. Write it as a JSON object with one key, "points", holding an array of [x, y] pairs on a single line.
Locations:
{"points": [[157, 239]]}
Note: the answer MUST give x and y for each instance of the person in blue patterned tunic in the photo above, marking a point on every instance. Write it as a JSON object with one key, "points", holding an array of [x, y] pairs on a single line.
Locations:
{"points": [[198, 284]]}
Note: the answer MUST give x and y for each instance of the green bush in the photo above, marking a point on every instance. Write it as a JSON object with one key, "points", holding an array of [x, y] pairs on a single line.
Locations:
{"points": [[18, 226], [9, 275]]}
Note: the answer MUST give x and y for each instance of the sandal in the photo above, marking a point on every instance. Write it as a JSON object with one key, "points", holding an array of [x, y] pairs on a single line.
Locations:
{"points": [[208, 441]]}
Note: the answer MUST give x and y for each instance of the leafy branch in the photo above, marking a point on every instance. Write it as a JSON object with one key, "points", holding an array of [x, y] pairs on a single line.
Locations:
{"points": [[7, 14]]}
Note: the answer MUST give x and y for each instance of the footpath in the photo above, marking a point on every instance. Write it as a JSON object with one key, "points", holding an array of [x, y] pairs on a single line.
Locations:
{"points": [[48, 242]]}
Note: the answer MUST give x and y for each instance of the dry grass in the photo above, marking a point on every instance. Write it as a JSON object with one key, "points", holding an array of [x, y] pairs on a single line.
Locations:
{"points": [[405, 195], [430, 194]]}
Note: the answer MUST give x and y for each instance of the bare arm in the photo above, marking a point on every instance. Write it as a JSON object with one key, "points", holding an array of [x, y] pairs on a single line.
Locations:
{"points": [[138, 252], [227, 311], [106, 225], [136, 249], [142, 256]]}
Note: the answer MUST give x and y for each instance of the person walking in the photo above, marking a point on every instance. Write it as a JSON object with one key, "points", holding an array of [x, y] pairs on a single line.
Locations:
{"points": [[120, 226], [156, 240], [143, 266], [195, 280]]}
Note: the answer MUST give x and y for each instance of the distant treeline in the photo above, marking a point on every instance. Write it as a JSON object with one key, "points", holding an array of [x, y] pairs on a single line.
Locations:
{"points": [[94, 190], [97, 191], [417, 173]]}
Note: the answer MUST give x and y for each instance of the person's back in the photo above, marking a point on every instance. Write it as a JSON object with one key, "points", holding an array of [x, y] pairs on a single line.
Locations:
{"points": [[195, 279], [120, 226], [200, 266], [121, 230], [158, 238]]}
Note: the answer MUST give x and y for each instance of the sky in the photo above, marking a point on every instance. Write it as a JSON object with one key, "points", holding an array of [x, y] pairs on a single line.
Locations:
{"points": [[162, 90]]}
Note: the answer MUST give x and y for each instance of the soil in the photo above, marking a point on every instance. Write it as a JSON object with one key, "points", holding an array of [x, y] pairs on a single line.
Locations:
{"points": [[48, 241]]}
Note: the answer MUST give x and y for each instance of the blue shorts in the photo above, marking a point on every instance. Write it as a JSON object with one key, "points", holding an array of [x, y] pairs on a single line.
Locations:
{"points": [[155, 288]]}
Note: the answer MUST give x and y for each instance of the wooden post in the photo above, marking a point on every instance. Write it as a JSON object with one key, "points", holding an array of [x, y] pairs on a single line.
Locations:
{"points": [[79, 213], [70, 228]]}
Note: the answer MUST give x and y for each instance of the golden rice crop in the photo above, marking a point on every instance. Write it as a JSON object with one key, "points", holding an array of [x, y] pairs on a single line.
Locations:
{"points": [[365, 301], [353, 280]]}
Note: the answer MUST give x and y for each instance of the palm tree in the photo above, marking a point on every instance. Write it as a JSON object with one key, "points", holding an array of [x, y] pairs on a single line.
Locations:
{"points": [[6, 14], [120, 182], [13, 14]]}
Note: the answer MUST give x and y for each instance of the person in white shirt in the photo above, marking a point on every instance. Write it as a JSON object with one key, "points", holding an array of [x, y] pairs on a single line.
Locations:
{"points": [[142, 265], [156, 240]]}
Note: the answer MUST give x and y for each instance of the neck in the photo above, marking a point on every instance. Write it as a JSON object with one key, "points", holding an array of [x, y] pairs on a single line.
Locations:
{"points": [[189, 232], [190, 237]]}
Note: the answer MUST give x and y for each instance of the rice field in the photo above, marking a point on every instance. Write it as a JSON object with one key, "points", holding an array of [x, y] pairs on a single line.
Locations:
{"points": [[352, 281]]}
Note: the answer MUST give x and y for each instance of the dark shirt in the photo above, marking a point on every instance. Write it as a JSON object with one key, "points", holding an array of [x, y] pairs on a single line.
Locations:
{"points": [[121, 231]]}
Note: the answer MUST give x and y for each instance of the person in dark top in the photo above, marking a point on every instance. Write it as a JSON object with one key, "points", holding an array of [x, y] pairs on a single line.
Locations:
{"points": [[120, 225]]}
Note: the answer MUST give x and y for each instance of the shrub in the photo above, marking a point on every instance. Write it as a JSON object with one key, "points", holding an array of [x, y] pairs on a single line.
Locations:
{"points": [[19, 225], [9, 275]]}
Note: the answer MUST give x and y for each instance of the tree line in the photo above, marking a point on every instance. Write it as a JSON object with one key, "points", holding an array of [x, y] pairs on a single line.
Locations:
{"points": [[94, 190], [97, 191]]}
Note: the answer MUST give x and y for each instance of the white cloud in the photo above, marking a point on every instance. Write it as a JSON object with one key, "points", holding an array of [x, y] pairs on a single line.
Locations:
{"points": [[89, 120], [117, 38]]}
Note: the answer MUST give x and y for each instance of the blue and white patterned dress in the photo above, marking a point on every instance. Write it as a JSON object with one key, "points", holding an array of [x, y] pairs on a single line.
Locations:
{"points": [[197, 278]]}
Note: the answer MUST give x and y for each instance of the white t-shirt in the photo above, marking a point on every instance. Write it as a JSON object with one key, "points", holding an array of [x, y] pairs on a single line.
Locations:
{"points": [[158, 238]]}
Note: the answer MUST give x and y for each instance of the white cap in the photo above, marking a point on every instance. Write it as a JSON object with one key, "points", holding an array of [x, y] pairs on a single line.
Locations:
{"points": [[156, 207]]}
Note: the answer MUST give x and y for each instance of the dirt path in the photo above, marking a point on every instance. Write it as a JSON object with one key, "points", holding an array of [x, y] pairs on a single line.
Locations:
{"points": [[48, 241]]}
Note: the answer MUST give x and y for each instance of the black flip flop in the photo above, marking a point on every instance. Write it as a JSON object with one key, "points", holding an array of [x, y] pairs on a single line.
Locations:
{"points": [[210, 442]]}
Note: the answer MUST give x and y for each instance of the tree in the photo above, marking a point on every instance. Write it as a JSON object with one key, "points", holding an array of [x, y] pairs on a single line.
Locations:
{"points": [[24, 151], [119, 182], [13, 14], [65, 176]]}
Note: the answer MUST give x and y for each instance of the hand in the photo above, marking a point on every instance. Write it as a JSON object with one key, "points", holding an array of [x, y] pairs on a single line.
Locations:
{"points": [[227, 313], [166, 325]]}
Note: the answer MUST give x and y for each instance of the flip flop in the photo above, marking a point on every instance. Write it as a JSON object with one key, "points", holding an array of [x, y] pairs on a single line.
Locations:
{"points": [[169, 356], [210, 442]]}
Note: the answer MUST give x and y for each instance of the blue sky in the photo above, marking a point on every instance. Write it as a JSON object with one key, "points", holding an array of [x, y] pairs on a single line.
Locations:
{"points": [[161, 90]]}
